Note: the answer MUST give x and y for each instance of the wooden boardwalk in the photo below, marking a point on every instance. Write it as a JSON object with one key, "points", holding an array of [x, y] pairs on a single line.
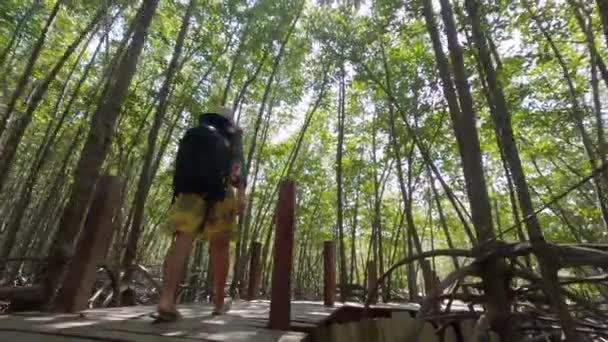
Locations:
{"points": [[246, 321]]}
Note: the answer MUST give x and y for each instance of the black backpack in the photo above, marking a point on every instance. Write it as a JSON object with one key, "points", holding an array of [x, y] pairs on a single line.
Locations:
{"points": [[203, 160]]}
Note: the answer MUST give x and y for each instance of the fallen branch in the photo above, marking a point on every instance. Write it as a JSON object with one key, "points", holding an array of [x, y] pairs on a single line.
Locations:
{"points": [[431, 297], [407, 260]]}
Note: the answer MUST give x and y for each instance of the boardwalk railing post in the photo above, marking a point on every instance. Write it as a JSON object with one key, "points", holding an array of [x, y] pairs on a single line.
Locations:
{"points": [[254, 271], [329, 274], [280, 305], [92, 247], [372, 278]]}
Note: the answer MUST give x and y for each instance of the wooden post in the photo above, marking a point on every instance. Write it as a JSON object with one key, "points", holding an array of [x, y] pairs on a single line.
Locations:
{"points": [[329, 274], [92, 246], [280, 305], [254, 271], [372, 278]]}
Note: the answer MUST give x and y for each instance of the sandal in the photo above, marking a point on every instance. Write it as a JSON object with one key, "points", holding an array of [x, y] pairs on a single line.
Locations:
{"points": [[166, 316]]}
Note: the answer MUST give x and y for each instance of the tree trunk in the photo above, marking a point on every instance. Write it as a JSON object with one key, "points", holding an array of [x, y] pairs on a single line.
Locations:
{"points": [[602, 7], [493, 271], [339, 187], [97, 146], [506, 141], [145, 179], [599, 121], [353, 274], [275, 67], [238, 99], [242, 255], [444, 226], [29, 67], [378, 250], [406, 191], [233, 65]]}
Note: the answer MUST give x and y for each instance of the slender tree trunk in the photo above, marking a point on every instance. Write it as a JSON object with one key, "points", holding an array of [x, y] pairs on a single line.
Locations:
{"points": [[406, 190], [378, 250], [444, 226], [40, 158], [96, 147], [29, 67], [34, 226], [21, 23], [243, 91], [559, 212], [589, 37], [508, 173], [354, 275], [15, 132], [600, 182], [456, 204], [493, 271], [242, 255], [602, 7], [586, 25], [599, 121], [275, 67], [268, 197], [145, 179], [506, 141], [339, 188], [233, 65]]}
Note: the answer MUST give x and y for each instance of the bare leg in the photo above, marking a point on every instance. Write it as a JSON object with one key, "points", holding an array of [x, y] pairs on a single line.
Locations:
{"points": [[173, 269], [220, 259]]}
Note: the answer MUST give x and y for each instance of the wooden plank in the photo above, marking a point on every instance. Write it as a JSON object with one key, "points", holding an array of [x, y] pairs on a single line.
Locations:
{"points": [[348, 332], [329, 273], [467, 327], [246, 334], [428, 333], [403, 322], [389, 330], [280, 304], [450, 334], [246, 321], [368, 330]]}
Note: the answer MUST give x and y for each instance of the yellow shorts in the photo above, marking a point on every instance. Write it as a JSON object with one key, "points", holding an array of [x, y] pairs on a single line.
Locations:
{"points": [[188, 213]]}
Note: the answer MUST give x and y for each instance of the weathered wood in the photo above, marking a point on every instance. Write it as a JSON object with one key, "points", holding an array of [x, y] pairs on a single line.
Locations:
{"points": [[255, 271], [450, 334], [92, 246], [329, 273], [246, 321], [372, 278], [428, 333], [280, 306]]}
